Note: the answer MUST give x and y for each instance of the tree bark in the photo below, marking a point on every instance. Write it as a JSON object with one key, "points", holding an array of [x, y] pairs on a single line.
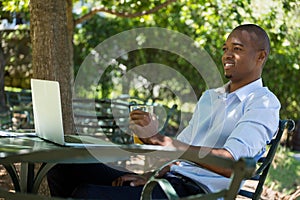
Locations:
{"points": [[3, 106], [52, 49]]}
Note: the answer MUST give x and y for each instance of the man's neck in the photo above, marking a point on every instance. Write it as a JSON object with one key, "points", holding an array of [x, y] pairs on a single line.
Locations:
{"points": [[235, 86]]}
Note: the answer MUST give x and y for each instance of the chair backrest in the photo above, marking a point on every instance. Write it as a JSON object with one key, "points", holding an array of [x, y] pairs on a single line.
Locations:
{"points": [[266, 161]]}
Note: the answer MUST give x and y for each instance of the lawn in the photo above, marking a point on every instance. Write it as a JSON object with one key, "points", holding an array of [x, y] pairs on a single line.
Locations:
{"points": [[284, 174]]}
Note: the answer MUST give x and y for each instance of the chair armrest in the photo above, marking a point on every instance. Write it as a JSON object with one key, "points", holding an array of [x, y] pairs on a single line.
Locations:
{"points": [[242, 169]]}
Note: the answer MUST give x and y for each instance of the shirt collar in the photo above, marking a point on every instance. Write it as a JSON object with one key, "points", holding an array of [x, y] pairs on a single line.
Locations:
{"points": [[242, 92]]}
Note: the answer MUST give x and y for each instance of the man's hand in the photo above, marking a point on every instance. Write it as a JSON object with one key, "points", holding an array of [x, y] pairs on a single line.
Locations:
{"points": [[138, 180], [133, 179], [144, 125]]}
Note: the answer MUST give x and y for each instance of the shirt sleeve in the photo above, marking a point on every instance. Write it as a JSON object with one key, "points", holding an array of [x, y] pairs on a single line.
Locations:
{"points": [[256, 127], [189, 132]]}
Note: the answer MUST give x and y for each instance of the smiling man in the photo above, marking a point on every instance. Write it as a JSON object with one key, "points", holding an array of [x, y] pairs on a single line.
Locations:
{"points": [[245, 53], [236, 120]]}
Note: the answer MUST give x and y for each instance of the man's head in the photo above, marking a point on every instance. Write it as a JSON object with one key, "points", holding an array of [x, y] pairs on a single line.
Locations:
{"points": [[245, 53]]}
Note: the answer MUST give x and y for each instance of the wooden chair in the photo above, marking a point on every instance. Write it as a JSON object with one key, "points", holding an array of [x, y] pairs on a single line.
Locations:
{"points": [[243, 169], [265, 162]]}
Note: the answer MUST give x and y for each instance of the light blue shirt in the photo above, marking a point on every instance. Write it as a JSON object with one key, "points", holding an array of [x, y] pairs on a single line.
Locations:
{"points": [[242, 122]]}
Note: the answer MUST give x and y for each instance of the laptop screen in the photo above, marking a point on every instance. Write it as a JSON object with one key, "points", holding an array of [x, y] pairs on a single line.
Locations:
{"points": [[47, 111]]}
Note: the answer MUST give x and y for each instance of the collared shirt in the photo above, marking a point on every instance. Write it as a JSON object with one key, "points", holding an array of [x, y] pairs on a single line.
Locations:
{"points": [[242, 122]]}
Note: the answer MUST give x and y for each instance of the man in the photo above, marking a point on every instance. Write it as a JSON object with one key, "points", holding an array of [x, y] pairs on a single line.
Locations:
{"points": [[233, 121]]}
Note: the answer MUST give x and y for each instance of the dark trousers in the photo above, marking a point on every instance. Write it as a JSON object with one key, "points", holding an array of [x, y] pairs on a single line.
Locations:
{"points": [[93, 181]]}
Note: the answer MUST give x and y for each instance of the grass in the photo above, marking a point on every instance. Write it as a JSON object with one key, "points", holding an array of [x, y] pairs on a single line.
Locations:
{"points": [[284, 174]]}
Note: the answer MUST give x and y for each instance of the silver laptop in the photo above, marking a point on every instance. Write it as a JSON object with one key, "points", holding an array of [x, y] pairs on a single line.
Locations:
{"points": [[48, 120]]}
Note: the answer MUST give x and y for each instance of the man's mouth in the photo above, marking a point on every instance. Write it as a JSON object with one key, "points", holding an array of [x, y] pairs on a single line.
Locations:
{"points": [[228, 65]]}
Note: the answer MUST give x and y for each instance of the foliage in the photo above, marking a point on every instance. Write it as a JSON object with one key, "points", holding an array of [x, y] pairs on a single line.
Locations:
{"points": [[16, 49], [11, 8], [207, 22], [285, 172]]}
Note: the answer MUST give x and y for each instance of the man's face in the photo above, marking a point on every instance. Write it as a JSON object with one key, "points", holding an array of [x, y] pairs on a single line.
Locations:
{"points": [[240, 58]]}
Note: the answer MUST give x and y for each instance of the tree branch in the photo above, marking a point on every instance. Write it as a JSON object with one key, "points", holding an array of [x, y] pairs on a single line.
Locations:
{"points": [[120, 14]]}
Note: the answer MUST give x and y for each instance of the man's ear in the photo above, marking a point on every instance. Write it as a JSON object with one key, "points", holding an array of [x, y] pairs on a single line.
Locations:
{"points": [[262, 56]]}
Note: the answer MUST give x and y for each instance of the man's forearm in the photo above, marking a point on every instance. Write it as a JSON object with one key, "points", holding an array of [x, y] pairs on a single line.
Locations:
{"points": [[192, 153]]}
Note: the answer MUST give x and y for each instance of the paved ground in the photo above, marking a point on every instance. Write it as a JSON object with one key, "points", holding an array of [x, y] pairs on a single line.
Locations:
{"points": [[297, 156]]}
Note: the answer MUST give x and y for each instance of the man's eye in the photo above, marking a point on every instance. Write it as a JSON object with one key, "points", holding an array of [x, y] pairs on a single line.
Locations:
{"points": [[224, 49], [237, 49]]}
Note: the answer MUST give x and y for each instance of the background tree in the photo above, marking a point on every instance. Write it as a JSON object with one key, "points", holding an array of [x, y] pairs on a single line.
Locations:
{"points": [[51, 25], [2, 97], [204, 21], [52, 57]]}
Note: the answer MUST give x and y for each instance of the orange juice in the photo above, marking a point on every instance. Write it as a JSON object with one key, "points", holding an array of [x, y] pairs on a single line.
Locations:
{"points": [[145, 108], [136, 139]]}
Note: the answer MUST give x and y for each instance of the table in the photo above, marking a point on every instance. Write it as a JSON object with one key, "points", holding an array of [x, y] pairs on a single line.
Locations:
{"points": [[32, 150]]}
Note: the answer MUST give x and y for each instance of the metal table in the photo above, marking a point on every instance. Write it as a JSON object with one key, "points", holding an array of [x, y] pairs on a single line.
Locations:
{"points": [[30, 151]]}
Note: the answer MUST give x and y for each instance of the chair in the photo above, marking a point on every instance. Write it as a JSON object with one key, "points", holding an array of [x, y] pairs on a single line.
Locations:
{"points": [[265, 162], [243, 169]]}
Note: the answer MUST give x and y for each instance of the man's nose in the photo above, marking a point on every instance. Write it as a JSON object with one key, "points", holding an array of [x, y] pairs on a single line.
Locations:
{"points": [[228, 54]]}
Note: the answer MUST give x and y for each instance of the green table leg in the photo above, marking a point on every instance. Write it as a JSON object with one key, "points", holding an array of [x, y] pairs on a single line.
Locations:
{"points": [[11, 170]]}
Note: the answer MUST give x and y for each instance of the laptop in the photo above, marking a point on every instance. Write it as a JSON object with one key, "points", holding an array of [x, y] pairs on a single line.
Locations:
{"points": [[48, 121]]}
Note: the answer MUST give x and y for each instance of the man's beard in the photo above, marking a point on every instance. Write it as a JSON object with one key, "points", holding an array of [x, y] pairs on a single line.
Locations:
{"points": [[228, 76]]}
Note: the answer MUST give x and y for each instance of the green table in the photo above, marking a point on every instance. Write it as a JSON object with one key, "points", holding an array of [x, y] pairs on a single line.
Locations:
{"points": [[30, 151]]}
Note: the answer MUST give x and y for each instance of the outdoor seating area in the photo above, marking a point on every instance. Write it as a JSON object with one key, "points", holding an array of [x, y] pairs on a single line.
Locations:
{"points": [[156, 99], [244, 169], [108, 116], [112, 118]]}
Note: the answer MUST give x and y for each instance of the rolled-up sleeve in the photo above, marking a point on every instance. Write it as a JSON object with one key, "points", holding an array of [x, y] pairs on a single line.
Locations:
{"points": [[256, 127]]}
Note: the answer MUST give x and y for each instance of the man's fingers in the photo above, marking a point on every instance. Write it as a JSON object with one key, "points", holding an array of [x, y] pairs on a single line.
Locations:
{"points": [[138, 182], [126, 178]]}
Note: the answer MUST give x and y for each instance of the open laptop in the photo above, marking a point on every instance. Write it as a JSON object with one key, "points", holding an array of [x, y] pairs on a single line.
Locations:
{"points": [[48, 120]]}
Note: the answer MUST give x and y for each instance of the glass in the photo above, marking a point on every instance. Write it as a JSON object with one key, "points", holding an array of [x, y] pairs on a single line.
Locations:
{"points": [[145, 108]]}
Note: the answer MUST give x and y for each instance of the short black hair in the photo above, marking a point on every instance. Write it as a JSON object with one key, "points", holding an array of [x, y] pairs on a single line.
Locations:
{"points": [[260, 32]]}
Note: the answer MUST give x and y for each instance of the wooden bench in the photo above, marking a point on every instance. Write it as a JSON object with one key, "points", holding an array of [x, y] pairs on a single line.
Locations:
{"points": [[102, 116], [20, 104], [5, 119], [111, 117]]}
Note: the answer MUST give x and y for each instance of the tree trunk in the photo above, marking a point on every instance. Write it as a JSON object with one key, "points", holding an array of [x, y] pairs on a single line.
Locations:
{"points": [[52, 49], [3, 106]]}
